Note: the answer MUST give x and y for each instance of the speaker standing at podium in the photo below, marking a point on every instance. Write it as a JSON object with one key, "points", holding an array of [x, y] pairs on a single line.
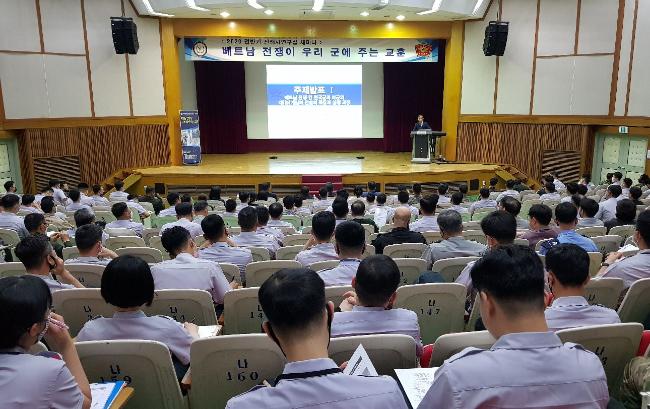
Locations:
{"points": [[421, 124]]}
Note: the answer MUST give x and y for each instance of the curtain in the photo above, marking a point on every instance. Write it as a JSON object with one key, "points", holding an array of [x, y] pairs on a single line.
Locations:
{"points": [[221, 101]]}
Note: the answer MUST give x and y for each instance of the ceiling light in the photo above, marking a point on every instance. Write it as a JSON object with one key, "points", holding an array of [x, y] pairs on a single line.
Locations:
{"points": [[479, 3], [192, 4], [365, 13], [434, 8], [153, 12], [254, 4], [268, 12], [400, 17], [318, 5], [224, 14]]}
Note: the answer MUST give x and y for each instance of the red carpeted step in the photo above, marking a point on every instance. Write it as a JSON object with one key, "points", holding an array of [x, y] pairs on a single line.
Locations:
{"points": [[315, 182]]}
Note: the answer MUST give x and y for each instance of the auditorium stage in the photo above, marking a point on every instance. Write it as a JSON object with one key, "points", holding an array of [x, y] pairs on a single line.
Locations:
{"points": [[286, 170]]}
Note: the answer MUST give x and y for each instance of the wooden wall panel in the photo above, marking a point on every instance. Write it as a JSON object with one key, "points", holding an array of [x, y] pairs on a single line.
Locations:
{"points": [[101, 149]]}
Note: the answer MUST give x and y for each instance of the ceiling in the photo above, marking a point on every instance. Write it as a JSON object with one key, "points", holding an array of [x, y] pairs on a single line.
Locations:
{"points": [[377, 10]]}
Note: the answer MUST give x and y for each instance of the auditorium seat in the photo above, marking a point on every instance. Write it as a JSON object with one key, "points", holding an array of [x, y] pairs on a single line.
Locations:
{"points": [[288, 252], [160, 221], [432, 236], [80, 305], [260, 254], [296, 240], [335, 293], [479, 214], [148, 254], [595, 260], [9, 238], [324, 265], [521, 242], [604, 291], [155, 242], [369, 251], [624, 232], [13, 269], [607, 244], [115, 243], [448, 345], [474, 314], [405, 250], [231, 272], [450, 268], [70, 252], [410, 269], [386, 228], [104, 217], [242, 312], [475, 235], [231, 221], [89, 275], [194, 306], [635, 306], [386, 351], [147, 234], [592, 231], [258, 271], [294, 220]]}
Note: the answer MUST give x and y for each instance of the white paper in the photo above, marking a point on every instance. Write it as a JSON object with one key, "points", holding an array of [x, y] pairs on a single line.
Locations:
{"points": [[360, 364], [629, 250], [416, 383], [101, 392], [206, 331]]}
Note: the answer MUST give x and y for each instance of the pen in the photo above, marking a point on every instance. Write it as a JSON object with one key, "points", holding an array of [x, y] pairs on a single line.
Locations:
{"points": [[58, 323]]}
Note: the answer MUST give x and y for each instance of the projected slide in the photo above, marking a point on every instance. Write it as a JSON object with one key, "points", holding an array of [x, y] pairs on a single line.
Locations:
{"points": [[314, 101]]}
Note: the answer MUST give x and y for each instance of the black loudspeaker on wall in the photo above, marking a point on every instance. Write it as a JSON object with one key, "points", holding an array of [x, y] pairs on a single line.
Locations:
{"points": [[125, 35], [496, 37]]}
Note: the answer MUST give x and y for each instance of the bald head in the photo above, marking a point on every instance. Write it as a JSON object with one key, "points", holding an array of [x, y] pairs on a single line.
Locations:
{"points": [[402, 217]]}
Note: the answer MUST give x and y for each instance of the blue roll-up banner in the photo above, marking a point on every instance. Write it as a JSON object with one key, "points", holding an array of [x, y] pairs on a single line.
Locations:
{"points": [[190, 137]]}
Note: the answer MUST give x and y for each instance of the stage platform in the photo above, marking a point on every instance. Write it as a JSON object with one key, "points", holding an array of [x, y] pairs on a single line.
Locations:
{"points": [[287, 169]]}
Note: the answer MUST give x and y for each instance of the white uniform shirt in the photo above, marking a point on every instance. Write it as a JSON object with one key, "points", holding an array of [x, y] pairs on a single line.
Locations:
{"points": [[551, 196], [137, 206], [73, 207], [572, 312], [320, 205], [118, 196], [607, 209], [512, 193], [52, 284], [630, 269], [444, 199], [170, 211], [222, 253], [278, 223], [253, 239], [137, 228], [29, 209], [589, 222], [271, 231], [459, 208], [86, 199], [425, 223], [11, 221], [88, 260], [558, 184], [60, 197], [100, 200], [483, 204], [319, 252], [341, 274], [194, 229]]}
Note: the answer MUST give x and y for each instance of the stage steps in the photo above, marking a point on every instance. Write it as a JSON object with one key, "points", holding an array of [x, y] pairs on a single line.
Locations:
{"points": [[315, 182]]}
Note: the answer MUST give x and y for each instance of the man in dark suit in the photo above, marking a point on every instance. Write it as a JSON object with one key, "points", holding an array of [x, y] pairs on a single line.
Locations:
{"points": [[421, 124]]}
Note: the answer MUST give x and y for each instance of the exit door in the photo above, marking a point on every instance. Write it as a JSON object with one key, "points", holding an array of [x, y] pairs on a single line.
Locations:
{"points": [[623, 154]]}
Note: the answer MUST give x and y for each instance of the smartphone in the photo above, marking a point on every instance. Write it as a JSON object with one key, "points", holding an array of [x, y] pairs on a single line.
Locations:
{"points": [[50, 233]]}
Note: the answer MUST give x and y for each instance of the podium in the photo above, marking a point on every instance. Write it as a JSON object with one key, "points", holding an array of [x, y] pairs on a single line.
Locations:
{"points": [[425, 145]]}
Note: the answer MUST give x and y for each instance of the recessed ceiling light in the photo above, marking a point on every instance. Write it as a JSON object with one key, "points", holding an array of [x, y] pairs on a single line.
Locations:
{"points": [[254, 4], [192, 4], [434, 8], [224, 14], [400, 17], [268, 12], [365, 13], [153, 12], [318, 5], [478, 5]]}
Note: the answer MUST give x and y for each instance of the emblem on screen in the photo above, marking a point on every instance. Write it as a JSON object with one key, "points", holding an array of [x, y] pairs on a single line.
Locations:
{"points": [[200, 49], [423, 50]]}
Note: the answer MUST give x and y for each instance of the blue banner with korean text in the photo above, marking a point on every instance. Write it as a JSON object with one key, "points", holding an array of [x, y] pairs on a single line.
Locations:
{"points": [[190, 137], [300, 50]]}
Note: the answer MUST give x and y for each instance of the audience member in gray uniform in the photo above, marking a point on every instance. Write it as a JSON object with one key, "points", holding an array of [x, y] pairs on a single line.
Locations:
{"points": [[9, 218], [607, 208], [36, 224], [91, 250], [122, 213], [625, 214], [75, 197], [299, 318], [513, 206], [484, 202], [83, 217], [340, 209], [262, 224], [587, 212], [319, 247], [249, 237], [49, 380], [453, 244], [350, 245], [428, 219]]}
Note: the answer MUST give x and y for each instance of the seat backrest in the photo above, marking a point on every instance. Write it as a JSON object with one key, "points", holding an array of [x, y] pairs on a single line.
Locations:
{"points": [[405, 250], [595, 260], [70, 252], [90, 275], [117, 232], [147, 234], [115, 243], [288, 252], [474, 314], [369, 230], [242, 312], [231, 272], [481, 213], [529, 196], [604, 291], [471, 226], [258, 271], [155, 242], [592, 231], [615, 345], [80, 305], [104, 216], [159, 221], [607, 244], [294, 220], [450, 344], [194, 306], [624, 232], [475, 235], [296, 239], [386, 351], [432, 236], [450, 268], [231, 221], [9, 237], [225, 366], [635, 306], [521, 242], [148, 254], [368, 251], [335, 293], [260, 253], [410, 269], [440, 307], [145, 365], [386, 228], [324, 265], [14, 269]]}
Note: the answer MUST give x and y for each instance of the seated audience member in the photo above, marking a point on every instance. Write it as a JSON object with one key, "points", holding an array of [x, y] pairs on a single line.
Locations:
{"points": [[568, 274], [10, 186], [40, 260], [150, 196], [417, 194], [36, 224], [342, 194], [583, 190], [123, 215], [500, 229], [607, 208], [358, 194], [521, 369], [625, 214], [588, 211], [319, 247], [185, 271], [85, 190], [127, 285], [266, 189], [247, 220], [29, 205], [262, 224], [635, 196], [371, 203], [626, 184], [556, 180], [9, 218], [392, 199], [636, 379], [186, 198], [373, 188], [586, 181], [299, 321], [53, 218], [231, 208], [442, 192], [220, 248], [52, 380], [370, 310], [340, 209], [350, 245], [75, 197], [89, 244], [520, 186], [243, 200], [539, 218], [572, 189], [382, 213], [58, 193], [428, 219], [83, 217], [299, 210], [608, 179], [252, 198], [322, 203], [510, 191], [513, 206], [329, 186], [616, 178], [493, 184], [45, 192], [550, 192], [184, 216], [215, 194], [400, 232], [98, 196], [403, 200], [173, 199], [275, 211], [200, 211], [636, 267], [463, 189], [288, 203], [132, 203], [456, 200], [566, 217], [545, 179], [304, 193], [484, 201], [119, 194], [358, 214], [453, 244]]}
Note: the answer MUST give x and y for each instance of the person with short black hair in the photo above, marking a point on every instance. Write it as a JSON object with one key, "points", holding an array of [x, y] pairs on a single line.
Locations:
{"points": [[319, 247], [58, 194], [587, 211], [45, 192], [566, 217], [288, 203], [493, 184], [298, 321], [350, 245], [616, 178], [127, 285], [539, 219], [521, 368], [119, 194], [9, 218], [40, 260], [304, 193], [442, 193], [52, 217], [86, 194], [568, 274], [572, 189], [28, 204], [83, 217], [358, 214], [262, 224], [484, 201], [184, 216], [456, 200], [513, 206], [132, 202], [607, 208], [75, 197], [453, 244], [510, 191], [200, 210], [369, 309], [417, 194], [275, 211], [428, 218], [173, 199], [400, 233], [231, 208], [550, 192], [89, 243], [322, 203], [635, 195], [382, 213], [299, 209], [215, 194], [625, 214], [97, 196], [247, 220], [123, 215], [36, 224], [44, 380], [220, 248], [403, 200], [10, 186], [150, 196], [340, 209]]}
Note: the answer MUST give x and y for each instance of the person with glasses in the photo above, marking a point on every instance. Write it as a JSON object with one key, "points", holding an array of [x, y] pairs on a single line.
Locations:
{"points": [[37, 224]]}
